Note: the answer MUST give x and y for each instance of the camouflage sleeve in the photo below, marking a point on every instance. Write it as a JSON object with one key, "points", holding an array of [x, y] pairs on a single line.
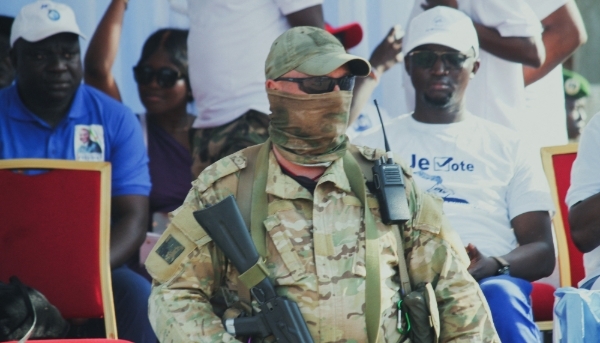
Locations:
{"points": [[436, 254], [182, 269], [463, 310], [180, 311]]}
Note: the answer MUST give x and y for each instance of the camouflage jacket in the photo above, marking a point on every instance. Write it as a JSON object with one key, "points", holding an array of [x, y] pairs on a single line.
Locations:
{"points": [[316, 247]]}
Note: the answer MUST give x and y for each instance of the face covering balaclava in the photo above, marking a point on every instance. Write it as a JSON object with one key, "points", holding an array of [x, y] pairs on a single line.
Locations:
{"points": [[309, 129]]}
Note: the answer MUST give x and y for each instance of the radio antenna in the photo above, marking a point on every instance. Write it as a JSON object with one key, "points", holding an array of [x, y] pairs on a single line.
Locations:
{"points": [[387, 145]]}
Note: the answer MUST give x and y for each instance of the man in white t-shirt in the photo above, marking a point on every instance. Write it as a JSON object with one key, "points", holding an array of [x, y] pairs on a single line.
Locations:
{"points": [[495, 193], [509, 35], [228, 44], [583, 199], [564, 32]]}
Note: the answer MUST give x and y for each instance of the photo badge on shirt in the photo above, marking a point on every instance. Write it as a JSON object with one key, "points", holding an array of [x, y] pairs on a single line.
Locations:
{"points": [[88, 142]]}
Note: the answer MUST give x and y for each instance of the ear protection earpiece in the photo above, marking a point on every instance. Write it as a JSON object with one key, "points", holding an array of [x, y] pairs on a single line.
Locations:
{"points": [[472, 75]]}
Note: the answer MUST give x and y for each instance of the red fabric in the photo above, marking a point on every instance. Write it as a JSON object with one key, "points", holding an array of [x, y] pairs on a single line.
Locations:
{"points": [[562, 169], [542, 301], [49, 237], [350, 34]]}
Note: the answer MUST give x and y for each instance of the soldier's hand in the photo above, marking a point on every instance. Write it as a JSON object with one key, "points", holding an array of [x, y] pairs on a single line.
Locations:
{"points": [[432, 3], [481, 266]]}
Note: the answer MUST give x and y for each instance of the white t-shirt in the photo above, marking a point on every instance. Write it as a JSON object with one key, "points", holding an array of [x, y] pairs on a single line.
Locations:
{"points": [[479, 168], [497, 92], [228, 44], [585, 182], [544, 123], [367, 119]]}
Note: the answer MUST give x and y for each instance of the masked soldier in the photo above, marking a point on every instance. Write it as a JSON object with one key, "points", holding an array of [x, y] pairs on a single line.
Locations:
{"points": [[316, 233]]}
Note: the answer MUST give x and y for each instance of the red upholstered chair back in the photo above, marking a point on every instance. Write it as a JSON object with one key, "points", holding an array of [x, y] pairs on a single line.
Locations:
{"points": [[54, 233], [557, 162]]}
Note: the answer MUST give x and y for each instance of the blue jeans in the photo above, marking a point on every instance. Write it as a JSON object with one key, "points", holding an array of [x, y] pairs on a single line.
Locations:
{"points": [[510, 303], [131, 292]]}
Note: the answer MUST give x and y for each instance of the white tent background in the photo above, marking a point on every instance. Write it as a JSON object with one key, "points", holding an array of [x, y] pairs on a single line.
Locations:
{"points": [[146, 16]]}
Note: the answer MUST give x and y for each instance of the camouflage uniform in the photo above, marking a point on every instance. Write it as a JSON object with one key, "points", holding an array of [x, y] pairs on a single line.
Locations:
{"points": [[316, 247], [212, 144]]}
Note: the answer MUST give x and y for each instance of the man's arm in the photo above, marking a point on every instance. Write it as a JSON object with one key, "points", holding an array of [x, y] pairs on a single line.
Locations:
{"points": [[179, 308], [311, 16], [463, 310], [128, 230], [584, 219], [583, 197], [434, 253], [385, 56], [564, 32], [531, 260], [526, 50], [102, 51], [183, 281]]}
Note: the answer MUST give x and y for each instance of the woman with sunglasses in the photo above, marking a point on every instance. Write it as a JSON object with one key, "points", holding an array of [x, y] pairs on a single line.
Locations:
{"points": [[162, 77]]}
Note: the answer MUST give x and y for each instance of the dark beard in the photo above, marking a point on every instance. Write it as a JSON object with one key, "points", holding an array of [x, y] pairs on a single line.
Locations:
{"points": [[437, 103]]}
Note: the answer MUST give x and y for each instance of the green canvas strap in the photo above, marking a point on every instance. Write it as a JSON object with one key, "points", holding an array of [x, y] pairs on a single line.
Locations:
{"points": [[365, 165], [255, 274], [404, 279], [243, 198], [373, 287], [260, 204]]}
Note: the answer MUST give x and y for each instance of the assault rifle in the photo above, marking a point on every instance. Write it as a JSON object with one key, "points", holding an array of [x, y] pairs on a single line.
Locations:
{"points": [[279, 316]]}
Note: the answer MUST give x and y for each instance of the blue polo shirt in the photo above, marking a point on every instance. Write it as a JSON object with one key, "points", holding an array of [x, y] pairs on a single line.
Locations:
{"points": [[97, 128]]}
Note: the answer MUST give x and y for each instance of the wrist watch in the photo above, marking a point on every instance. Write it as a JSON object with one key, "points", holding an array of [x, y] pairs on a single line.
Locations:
{"points": [[504, 266]]}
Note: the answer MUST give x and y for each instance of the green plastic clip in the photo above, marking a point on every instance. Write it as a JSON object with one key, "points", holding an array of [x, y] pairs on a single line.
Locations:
{"points": [[400, 326]]}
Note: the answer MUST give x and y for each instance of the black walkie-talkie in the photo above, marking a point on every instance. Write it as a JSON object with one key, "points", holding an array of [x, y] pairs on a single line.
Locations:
{"points": [[389, 185]]}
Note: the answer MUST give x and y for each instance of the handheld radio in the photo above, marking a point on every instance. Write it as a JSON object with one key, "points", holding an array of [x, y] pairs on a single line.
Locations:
{"points": [[389, 185]]}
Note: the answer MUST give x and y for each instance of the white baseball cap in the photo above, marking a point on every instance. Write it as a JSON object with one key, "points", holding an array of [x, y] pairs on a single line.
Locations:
{"points": [[444, 26], [43, 19]]}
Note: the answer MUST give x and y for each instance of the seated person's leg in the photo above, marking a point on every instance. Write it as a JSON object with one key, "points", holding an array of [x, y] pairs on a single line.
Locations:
{"points": [[510, 304], [131, 292]]}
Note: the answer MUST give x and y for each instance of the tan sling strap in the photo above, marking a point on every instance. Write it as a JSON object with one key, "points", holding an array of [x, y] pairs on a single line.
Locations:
{"points": [[246, 180], [260, 204], [244, 199], [366, 168], [404, 279], [373, 286]]}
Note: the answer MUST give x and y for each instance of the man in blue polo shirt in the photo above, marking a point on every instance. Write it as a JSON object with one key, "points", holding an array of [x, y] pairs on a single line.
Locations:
{"points": [[48, 113]]}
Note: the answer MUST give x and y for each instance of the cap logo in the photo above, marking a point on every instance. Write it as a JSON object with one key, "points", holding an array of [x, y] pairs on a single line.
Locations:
{"points": [[572, 87], [53, 15], [438, 21]]}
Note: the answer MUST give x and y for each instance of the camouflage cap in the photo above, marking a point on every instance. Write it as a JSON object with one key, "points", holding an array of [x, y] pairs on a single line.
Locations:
{"points": [[575, 85], [311, 51]]}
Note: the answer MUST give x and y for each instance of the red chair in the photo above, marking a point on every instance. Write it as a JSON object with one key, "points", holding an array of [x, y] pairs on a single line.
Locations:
{"points": [[55, 232], [557, 162]]}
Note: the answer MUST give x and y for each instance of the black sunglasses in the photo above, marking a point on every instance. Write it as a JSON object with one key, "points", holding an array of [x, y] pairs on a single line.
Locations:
{"points": [[426, 59], [321, 84], [165, 77]]}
